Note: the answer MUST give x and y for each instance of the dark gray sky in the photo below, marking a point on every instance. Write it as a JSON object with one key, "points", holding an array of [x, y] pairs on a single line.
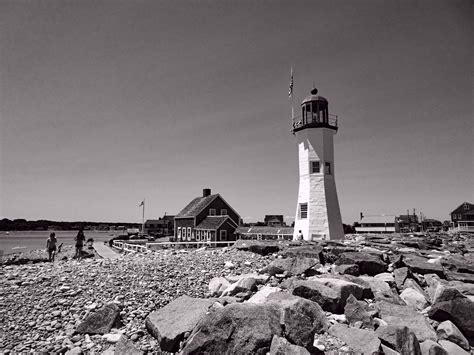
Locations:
{"points": [[106, 102]]}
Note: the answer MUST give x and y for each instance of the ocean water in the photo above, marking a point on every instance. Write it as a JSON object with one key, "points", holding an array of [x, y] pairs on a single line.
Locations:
{"points": [[16, 242]]}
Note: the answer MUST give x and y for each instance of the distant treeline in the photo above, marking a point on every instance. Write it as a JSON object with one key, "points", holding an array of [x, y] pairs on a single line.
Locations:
{"points": [[42, 225]]}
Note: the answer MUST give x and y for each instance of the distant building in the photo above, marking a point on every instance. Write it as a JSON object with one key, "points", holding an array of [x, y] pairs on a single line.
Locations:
{"points": [[407, 223], [431, 225], [265, 233], [274, 220], [206, 218], [462, 218], [164, 226], [376, 224]]}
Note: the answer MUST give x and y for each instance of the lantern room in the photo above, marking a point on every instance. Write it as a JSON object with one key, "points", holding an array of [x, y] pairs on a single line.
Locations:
{"points": [[314, 113]]}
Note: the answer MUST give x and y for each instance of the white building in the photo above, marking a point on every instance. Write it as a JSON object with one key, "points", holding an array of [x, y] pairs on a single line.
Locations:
{"points": [[376, 224], [317, 211]]}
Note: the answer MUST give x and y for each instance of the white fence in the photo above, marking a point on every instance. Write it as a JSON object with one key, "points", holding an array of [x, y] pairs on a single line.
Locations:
{"points": [[143, 248]]}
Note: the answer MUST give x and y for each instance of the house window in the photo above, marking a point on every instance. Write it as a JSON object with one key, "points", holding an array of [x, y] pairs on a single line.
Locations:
{"points": [[223, 235], [466, 207], [315, 167], [179, 232], [212, 212], [208, 235], [189, 233], [459, 216], [327, 168], [223, 211], [184, 233], [303, 210]]}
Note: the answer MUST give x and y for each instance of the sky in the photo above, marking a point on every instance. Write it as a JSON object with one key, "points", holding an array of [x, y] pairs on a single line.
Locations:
{"points": [[105, 103]]}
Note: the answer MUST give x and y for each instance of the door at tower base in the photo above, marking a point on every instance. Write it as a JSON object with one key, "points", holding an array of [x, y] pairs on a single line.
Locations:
{"points": [[318, 216]]}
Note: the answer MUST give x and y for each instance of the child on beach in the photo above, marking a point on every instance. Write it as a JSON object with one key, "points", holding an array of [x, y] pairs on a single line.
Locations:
{"points": [[51, 246], [80, 238]]}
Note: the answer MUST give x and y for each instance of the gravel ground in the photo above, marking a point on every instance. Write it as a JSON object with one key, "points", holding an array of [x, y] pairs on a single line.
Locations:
{"points": [[41, 304]]}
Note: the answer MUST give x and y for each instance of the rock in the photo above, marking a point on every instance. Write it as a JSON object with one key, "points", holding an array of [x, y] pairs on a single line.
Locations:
{"points": [[281, 346], [112, 337], [126, 347], [229, 265], [414, 299], [459, 311], [261, 279], [292, 266], [239, 328], [402, 339], [351, 269], [308, 251], [256, 246], [460, 276], [74, 351], [382, 291], [169, 324], [400, 275], [299, 317], [368, 263], [101, 321], [447, 330], [261, 296], [445, 293], [359, 311], [325, 296], [361, 340], [452, 349], [385, 276], [217, 285], [421, 266], [342, 287], [401, 316], [243, 285], [430, 347]]}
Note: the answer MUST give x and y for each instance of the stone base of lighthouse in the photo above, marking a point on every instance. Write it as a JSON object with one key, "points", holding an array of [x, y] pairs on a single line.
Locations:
{"points": [[317, 190]]}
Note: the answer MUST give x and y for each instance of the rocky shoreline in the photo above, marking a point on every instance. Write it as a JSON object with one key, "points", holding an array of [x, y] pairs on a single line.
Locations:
{"points": [[369, 294]]}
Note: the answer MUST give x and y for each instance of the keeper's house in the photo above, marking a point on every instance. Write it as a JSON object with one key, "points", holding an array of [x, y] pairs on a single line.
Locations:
{"points": [[462, 218], [206, 218]]}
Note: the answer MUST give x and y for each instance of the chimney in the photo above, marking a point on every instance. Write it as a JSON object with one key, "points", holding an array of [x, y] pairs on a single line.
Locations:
{"points": [[206, 192]]}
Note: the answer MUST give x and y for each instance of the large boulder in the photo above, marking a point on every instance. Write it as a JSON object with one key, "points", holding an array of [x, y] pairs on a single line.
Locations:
{"points": [[325, 296], [261, 296], [421, 265], [460, 276], [368, 263], [126, 347], [452, 348], [459, 311], [400, 275], [402, 316], [102, 321], [350, 269], [281, 346], [414, 298], [261, 247], [344, 289], [217, 285], [381, 291], [290, 266], [243, 285], [307, 251], [360, 340], [447, 330], [239, 328], [399, 338], [359, 311], [170, 323], [430, 347], [300, 318]]}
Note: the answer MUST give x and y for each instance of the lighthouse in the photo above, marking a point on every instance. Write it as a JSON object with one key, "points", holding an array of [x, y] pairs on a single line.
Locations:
{"points": [[318, 216]]}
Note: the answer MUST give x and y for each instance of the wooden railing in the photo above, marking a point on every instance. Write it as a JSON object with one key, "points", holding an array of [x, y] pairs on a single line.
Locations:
{"points": [[129, 247]]}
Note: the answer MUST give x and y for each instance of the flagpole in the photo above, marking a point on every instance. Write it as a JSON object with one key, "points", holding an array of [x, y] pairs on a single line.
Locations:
{"points": [[291, 98], [143, 217]]}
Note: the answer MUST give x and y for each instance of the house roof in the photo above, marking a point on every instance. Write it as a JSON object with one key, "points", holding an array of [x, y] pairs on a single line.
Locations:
{"points": [[461, 205], [378, 219], [212, 222], [265, 230], [196, 206]]}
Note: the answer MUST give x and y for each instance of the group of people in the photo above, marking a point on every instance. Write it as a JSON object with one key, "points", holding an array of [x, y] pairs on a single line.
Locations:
{"points": [[52, 248]]}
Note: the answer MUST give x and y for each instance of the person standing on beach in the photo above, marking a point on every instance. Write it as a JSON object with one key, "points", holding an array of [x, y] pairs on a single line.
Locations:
{"points": [[51, 246], [80, 238]]}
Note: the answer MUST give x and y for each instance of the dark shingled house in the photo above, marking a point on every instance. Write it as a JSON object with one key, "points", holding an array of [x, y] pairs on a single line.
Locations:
{"points": [[206, 218]]}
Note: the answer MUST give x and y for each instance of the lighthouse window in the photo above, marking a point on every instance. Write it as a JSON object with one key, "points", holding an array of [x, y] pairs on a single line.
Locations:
{"points": [[315, 167], [303, 210], [327, 168]]}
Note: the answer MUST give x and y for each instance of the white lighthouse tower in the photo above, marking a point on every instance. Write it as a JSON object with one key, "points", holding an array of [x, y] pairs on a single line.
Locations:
{"points": [[317, 212]]}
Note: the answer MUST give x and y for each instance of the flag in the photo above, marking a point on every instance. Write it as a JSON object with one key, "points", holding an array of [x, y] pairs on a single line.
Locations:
{"points": [[290, 91], [141, 203]]}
